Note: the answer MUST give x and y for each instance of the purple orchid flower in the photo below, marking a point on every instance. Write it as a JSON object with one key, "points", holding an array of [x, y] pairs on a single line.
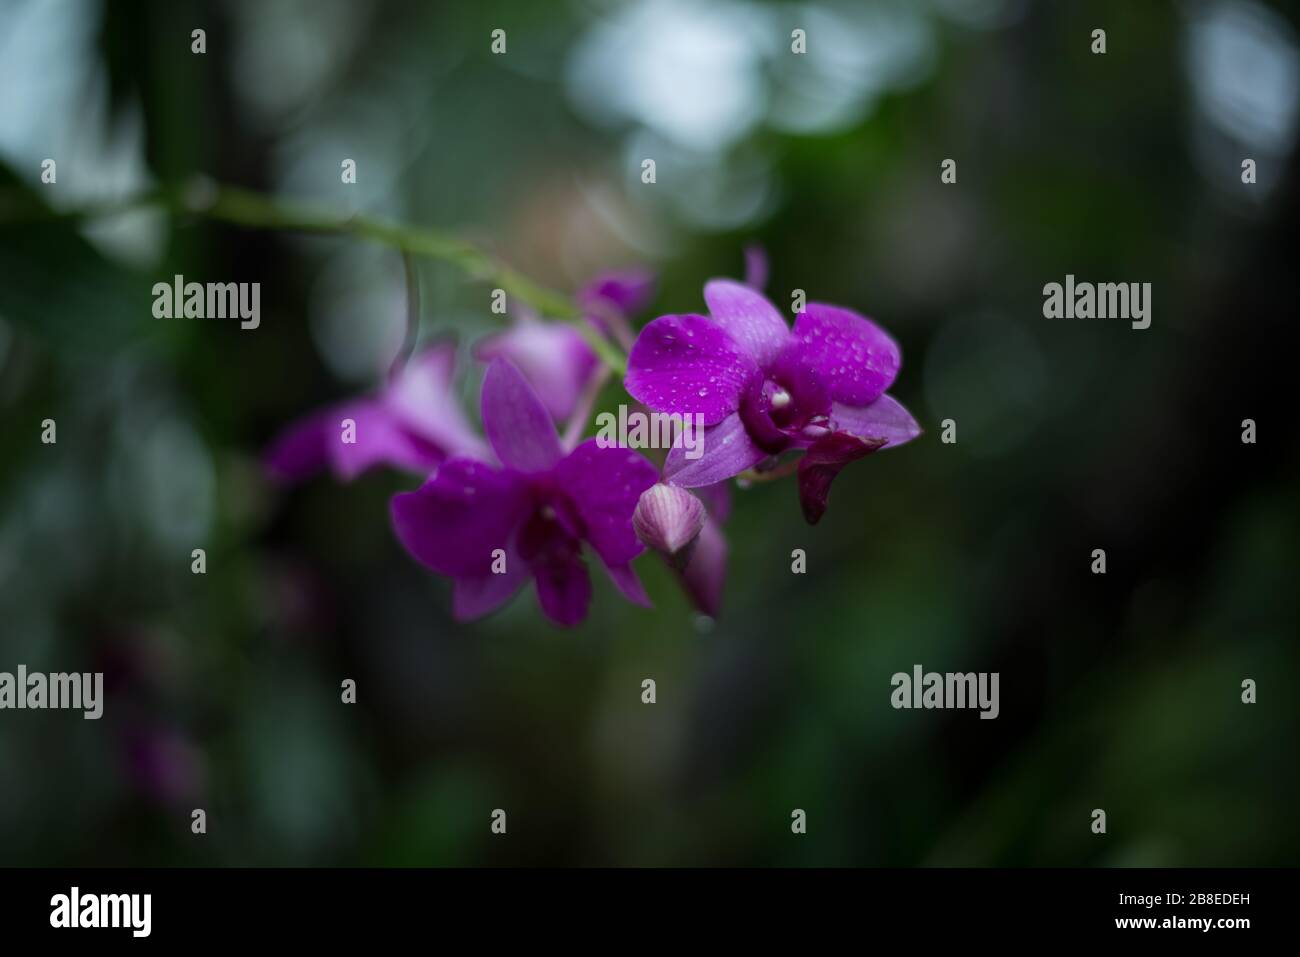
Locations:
{"points": [[492, 529], [764, 389], [413, 423], [553, 357], [612, 296]]}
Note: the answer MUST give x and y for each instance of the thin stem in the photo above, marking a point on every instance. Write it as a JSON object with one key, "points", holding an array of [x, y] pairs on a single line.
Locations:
{"points": [[582, 411], [771, 474], [241, 207], [616, 322]]}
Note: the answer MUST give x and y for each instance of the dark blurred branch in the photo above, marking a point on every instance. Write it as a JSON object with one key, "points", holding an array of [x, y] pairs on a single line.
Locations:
{"points": [[412, 316], [240, 207]]}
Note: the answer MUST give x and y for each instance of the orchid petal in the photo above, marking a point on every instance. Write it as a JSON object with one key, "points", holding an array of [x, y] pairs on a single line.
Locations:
{"points": [[302, 449], [555, 360], [706, 572], [423, 398], [375, 437], [474, 596], [854, 357], [755, 267], [717, 500], [456, 520], [563, 589], [349, 439], [728, 451], [604, 485], [627, 582], [748, 317], [885, 418], [627, 290], [822, 462], [690, 365], [517, 424]]}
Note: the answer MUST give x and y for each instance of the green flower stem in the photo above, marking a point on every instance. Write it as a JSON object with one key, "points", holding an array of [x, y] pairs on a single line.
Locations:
{"points": [[241, 207]]}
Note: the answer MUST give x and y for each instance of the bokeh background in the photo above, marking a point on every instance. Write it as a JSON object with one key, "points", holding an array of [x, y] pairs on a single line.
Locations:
{"points": [[1119, 691]]}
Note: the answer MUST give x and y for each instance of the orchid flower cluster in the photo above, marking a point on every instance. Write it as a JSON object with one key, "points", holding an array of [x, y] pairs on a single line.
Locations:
{"points": [[519, 503]]}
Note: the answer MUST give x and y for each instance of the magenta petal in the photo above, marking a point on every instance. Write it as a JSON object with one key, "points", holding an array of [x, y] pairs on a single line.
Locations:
{"points": [[376, 438], [822, 462], [563, 589], [706, 572], [517, 424], [625, 578], [748, 317], [717, 500], [627, 290], [855, 357], [456, 519], [604, 485], [555, 360], [422, 397], [414, 424], [690, 365], [301, 450], [478, 595], [728, 451], [755, 267], [885, 418]]}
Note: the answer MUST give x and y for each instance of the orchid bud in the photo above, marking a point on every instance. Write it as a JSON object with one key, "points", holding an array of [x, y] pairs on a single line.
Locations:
{"points": [[668, 519], [706, 570]]}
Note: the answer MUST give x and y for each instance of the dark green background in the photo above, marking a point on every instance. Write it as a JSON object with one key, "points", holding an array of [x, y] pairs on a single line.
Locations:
{"points": [[1119, 692]]}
